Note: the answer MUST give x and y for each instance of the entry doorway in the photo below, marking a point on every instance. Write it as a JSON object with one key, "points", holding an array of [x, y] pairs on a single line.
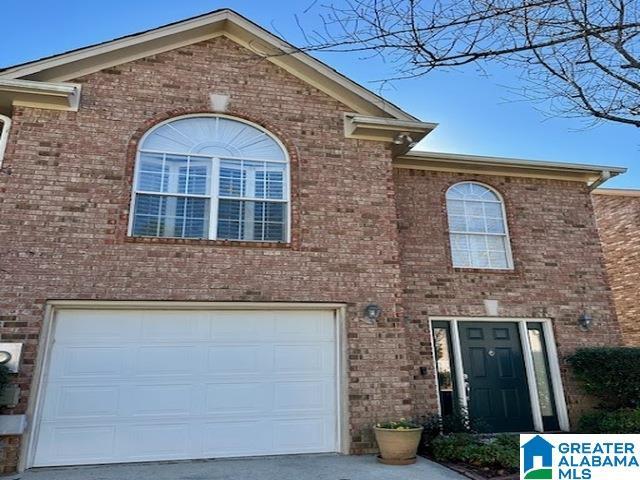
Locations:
{"points": [[502, 372]]}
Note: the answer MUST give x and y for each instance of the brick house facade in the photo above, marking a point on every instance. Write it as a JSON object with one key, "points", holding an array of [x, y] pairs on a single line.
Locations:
{"points": [[618, 218], [368, 226]]}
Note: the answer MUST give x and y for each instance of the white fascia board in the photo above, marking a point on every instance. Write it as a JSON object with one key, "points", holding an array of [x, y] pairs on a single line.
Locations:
{"points": [[508, 166], [618, 192], [385, 129]]}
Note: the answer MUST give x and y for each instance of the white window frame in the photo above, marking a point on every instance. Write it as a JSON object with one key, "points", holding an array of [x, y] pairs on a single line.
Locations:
{"points": [[552, 358], [213, 194], [505, 235]]}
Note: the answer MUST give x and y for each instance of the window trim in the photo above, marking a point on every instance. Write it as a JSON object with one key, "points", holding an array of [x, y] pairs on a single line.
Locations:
{"points": [[506, 235], [213, 195], [454, 393]]}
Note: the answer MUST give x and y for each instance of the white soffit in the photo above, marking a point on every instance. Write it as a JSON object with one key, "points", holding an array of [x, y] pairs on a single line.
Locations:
{"points": [[28, 93]]}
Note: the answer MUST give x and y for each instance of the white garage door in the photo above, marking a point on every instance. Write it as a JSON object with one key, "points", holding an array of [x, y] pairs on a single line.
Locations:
{"points": [[127, 386]]}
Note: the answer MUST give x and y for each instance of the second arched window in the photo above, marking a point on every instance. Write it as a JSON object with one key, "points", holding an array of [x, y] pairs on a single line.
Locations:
{"points": [[477, 227]]}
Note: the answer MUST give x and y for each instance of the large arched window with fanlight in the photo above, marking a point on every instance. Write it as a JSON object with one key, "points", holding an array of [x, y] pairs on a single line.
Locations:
{"points": [[477, 227], [212, 177]]}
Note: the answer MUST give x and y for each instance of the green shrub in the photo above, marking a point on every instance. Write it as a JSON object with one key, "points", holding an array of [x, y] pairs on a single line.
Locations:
{"points": [[612, 374], [402, 424], [453, 447], [620, 421], [456, 422], [499, 452]]}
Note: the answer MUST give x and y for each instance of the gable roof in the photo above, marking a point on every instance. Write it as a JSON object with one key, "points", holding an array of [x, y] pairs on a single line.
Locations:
{"points": [[79, 62], [44, 83]]}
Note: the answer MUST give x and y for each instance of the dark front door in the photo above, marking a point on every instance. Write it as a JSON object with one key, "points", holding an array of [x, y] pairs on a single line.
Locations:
{"points": [[498, 395]]}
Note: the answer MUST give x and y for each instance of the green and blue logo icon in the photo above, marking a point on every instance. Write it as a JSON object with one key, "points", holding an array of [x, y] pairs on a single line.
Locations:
{"points": [[537, 459]]}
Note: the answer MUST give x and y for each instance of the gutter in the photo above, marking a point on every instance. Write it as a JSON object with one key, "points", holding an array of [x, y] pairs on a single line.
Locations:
{"points": [[592, 175], [620, 192], [4, 136], [604, 176]]}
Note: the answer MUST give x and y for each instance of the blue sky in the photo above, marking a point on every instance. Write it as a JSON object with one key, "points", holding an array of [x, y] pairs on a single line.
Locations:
{"points": [[476, 113]]}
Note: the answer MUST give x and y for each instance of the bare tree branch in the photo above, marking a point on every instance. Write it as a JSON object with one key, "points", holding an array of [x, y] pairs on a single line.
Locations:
{"points": [[581, 57]]}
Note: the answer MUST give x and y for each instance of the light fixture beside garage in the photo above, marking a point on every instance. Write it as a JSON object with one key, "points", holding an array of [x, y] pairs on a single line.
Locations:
{"points": [[584, 321], [10, 356], [372, 313]]}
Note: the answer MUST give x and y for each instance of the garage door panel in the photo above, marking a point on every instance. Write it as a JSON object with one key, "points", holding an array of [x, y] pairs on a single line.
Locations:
{"points": [[96, 326], [231, 398], [194, 384], [86, 401], [235, 359], [165, 399], [303, 358], [305, 326], [174, 326], [241, 326], [236, 438], [73, 444], [87, 362], [154, 442], [161, 360], [300, 396], [303, 434]]}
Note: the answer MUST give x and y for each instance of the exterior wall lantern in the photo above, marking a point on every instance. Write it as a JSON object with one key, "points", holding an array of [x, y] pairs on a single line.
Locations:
{"points": [[372, 313], [10, 356], [584, 321]]}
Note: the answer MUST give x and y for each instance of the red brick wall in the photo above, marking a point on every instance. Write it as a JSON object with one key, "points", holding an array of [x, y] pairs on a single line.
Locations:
{"points": [[64, 199], [558, 267], [618, 219], [65, 193]]}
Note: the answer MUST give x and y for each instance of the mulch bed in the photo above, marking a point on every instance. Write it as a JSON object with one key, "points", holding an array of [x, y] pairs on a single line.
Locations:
{"points": [[480, 474], [475, 473]]}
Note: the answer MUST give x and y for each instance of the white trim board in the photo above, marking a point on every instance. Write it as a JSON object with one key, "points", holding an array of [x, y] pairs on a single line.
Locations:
{"points": [[552, 358]]}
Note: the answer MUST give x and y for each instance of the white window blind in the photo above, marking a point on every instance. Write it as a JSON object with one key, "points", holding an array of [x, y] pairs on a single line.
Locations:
{"points": [[477, 227]]}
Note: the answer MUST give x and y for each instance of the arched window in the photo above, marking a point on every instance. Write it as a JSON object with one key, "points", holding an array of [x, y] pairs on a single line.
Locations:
{"points": [[477, 227], [211, 176]]}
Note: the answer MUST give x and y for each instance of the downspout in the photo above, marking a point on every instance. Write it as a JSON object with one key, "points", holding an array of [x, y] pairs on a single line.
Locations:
{"points": [[4, 136], [604, 176]]}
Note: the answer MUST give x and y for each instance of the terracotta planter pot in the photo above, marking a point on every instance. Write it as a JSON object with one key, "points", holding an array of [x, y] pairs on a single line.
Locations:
{"points": [[398, 447]]}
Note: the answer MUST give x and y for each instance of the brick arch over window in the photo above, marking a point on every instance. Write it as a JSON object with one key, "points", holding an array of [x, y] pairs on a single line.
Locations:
{"points": [[478, 230], [253, 217]]}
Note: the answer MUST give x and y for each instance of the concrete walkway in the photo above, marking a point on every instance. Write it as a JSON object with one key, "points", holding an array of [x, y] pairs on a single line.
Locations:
{"points": [[294, 467]]}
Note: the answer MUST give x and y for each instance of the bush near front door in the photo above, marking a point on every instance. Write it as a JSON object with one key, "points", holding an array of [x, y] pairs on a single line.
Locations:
{"points": [[612, 375]]}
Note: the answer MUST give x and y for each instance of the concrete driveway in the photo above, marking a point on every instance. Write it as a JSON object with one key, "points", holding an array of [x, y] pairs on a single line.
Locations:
{"points": [[295, 467]]}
